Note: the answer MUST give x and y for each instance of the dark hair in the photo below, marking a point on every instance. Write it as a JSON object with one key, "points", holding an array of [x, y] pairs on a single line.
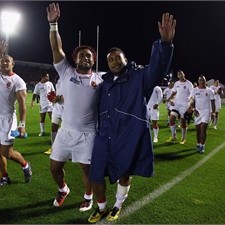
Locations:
{"points": [[180, 71], [79, 48], [202, 77], [44, 74], [113, 49]]}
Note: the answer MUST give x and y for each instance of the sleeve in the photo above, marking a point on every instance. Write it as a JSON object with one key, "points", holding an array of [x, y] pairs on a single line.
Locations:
{"points": [[20, 85], [212, 95], [52, 87], [63, 68], [36, 90], [190, 87], [192, 95], [160, 96], [159, 63]]}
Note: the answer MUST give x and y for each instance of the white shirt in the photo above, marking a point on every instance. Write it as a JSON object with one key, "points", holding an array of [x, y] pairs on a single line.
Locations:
{"points": [[42, 89], [217, 96], [183, 91], [9, 85], [202, 97], [58, 87], [167, 92], [80, 98], [156, 97]]}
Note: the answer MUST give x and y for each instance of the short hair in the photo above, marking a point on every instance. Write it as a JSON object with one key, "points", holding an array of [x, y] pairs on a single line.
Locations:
{"points": [[44, 74], [201, 76], [114, 49], [81, 47], [7, 56], [180, 71]]}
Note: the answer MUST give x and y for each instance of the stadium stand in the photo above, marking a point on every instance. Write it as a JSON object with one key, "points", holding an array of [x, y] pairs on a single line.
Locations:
{"points": [[31, 72]]}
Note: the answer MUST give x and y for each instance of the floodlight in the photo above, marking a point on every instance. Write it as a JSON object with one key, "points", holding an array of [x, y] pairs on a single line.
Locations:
{"points": [[9, 22]]}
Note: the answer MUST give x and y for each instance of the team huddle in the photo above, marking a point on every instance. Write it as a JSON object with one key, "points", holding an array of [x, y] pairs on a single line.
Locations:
{"points": [[96, 137]]}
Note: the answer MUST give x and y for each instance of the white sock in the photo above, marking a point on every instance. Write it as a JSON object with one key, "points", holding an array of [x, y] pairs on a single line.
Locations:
{"points": [[121, 195], [184, 133], [64, 189], [42, 127], [173, 130], [215, 121], [25, 167], [156, 132], [102, 205], [88, 197]]}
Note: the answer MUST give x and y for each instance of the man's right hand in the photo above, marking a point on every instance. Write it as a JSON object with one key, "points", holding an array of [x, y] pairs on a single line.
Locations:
{"points": [[53, 12], [3, 47]]}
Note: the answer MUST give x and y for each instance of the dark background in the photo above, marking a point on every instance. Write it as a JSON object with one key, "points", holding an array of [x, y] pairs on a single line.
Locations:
{"points": [[130, 25]]}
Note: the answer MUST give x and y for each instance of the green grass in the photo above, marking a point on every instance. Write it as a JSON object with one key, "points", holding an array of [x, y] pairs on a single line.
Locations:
{"points": [[198, 199]]}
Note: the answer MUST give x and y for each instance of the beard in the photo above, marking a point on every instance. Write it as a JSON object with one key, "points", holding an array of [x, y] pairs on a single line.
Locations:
{"points": [[84, 67]]}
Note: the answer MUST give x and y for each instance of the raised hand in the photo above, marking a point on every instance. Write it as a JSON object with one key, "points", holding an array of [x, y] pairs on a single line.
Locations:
{"points": [[53, 12], [167, 27], [3, 47]]}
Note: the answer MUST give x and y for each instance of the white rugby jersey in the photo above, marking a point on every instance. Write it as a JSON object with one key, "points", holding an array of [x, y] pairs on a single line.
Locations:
{"points": [[80, 98], [9, 85], [58, 87], [156, 97], [42, 89], [183, 91], [217, 96], [202, 97], [167, 92]]}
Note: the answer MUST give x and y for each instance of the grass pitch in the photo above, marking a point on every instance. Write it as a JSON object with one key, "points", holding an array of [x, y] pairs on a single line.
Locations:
{"points": [[196, 199]]}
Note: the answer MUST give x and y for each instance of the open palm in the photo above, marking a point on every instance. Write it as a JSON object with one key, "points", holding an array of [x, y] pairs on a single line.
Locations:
{"points": [[53, 12]]}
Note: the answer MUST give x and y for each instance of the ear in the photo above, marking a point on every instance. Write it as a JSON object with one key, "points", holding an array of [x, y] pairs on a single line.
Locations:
{"points": [[13, 64]]}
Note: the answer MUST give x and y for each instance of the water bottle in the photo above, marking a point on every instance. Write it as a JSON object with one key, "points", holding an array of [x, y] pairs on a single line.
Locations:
{"points": [[16, 133]]}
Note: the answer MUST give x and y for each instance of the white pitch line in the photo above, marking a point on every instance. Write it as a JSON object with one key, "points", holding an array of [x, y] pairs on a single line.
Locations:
{"points": [[155, 194]]}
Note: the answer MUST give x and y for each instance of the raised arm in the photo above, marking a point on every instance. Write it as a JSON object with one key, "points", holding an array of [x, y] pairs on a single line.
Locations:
{"points": [[3, 46], [167, 27], [53, 14]]}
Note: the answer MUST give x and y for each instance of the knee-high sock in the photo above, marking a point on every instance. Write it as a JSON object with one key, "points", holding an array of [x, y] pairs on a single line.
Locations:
{"points": [[42, 127], [121, 195]]}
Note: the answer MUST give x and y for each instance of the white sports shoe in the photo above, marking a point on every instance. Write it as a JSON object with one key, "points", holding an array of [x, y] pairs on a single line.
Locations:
{"points": [[155, 140]]}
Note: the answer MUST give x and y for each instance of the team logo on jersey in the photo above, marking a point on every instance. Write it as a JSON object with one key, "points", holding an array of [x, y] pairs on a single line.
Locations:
{"points": [[8, 85], [93, 84], [184, 87], [206, 94], [72, 79]]}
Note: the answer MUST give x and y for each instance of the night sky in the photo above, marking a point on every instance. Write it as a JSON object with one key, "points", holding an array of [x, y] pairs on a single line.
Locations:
{"points": [[129, 25]]}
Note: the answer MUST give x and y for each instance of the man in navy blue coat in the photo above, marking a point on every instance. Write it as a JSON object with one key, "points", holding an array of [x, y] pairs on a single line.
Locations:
{"points": [[123, 145]]}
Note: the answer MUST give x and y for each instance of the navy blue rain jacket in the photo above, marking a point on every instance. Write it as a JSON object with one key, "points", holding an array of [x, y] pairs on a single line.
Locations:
{"points": [[123, 143]]}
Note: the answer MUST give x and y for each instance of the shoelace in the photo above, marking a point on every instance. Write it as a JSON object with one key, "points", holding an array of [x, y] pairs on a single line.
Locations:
{"points": [[85, 203], [60, 195]]}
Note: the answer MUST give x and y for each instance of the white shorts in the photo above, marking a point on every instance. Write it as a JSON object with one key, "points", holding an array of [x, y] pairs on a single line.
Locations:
{"points": [[154, 114], [218, 106], [204, 117], [45, 109], [182, 109], [7, 124], [72, 144], [57, 111]]}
